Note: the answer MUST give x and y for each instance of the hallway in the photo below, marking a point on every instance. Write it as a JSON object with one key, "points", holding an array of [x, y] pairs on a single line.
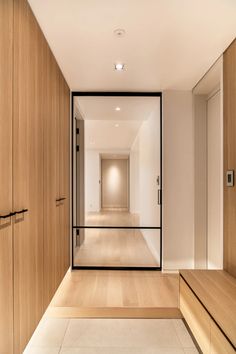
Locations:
{"points": [[115, 247], [117, 177]]}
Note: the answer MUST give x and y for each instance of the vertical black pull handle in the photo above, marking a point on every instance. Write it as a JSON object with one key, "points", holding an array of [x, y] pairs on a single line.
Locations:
{"points": [[159, 201]]}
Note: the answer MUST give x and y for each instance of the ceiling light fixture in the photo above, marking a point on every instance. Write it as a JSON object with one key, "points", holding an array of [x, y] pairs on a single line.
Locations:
{"points": [[116, 125], [119, 66], [117, 109]]}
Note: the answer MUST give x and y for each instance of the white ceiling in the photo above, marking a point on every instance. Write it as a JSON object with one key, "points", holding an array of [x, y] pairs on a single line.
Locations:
{"points": [[169, 44], [104, 136], [104, 108], [109, 130]]}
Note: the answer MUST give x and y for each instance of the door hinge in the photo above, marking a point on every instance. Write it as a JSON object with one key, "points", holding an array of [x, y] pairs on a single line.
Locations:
{"points": [[77, 130], [77, 147]]}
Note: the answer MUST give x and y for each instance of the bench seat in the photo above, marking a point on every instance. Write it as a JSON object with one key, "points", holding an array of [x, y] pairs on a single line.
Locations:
{"points": [[208, 304]]}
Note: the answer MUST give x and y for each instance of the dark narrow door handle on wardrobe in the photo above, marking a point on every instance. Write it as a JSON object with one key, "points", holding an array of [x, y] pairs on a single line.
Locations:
{"points": [[6, 215], [60, 199], [20, 211]]}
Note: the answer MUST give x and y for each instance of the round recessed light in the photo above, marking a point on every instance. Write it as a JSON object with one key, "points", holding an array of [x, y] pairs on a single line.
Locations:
{"points": [[117, 109], [119, 66], [116, 125], [119, 32]]}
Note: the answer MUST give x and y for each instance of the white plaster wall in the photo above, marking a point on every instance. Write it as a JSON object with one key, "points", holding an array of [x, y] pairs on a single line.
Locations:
{"points": [[144, 169], [92, 176], [200, 181], [178, 180], [214, 175], [134, 176]]}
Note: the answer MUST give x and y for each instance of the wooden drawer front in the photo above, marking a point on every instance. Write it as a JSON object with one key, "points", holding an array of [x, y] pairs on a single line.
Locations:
{"points": [[196, 316], [219, 343]]}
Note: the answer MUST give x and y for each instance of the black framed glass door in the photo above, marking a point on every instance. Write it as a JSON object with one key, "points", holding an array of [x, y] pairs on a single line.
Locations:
{"points": [[117, 180]]}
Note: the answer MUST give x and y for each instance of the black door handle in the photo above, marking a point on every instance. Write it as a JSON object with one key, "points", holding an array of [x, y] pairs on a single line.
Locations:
{"points": [[20, 211], [6, 215], [60, 199]]}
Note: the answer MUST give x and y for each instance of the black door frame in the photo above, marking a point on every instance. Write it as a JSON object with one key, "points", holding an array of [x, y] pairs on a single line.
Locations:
{"points": [[75, 227]]}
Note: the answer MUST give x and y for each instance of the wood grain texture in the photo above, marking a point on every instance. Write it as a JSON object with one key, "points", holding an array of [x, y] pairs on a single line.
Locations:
{"points": [[51, 179], [219, 344], [27, 174], [40, 257], [64, 175], [6, 269], [229, 74], [56, 179], [217, 292], [196, 317], [113, 312], [110, 293]]}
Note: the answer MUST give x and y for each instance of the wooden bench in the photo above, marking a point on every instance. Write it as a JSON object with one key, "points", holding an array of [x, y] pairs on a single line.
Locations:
{"points": [[208, 304]]}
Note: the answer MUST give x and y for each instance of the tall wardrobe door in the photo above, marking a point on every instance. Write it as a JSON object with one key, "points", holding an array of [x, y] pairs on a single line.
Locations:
{"points": [[6, 279], [27, 174], [229, 107], [51, 180], [64, 149]]}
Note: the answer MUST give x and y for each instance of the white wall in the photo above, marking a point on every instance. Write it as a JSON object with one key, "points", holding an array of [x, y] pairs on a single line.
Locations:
{"points": [[208, 137], [92, 177], [134, 176], [200, 181], [144, 169], [178, 180], [214, 175]]}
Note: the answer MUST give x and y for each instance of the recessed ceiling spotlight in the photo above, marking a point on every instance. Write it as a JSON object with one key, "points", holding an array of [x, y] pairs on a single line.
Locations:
{"points": [[117, 108], [119, 66], [116, 125], [119, 32]]}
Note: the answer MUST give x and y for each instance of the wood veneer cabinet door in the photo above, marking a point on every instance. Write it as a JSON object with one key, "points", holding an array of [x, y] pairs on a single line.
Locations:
{"points": [[229, 61], [51, 179], [64, 182], [29, 92], [6, 275]]}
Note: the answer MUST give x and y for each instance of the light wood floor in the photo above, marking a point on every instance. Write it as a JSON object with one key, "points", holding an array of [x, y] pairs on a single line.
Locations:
{"points": [[115, 247], [117, 294]]}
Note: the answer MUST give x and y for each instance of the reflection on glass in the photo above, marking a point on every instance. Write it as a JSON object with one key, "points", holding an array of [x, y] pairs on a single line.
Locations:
{"points": [[117, 180], [119, 247]]}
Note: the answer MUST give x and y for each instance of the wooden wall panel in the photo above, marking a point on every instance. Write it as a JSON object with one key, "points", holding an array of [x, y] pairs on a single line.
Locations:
{"points": [[64, 173], [56, 178], [34, 172], [6, 271], [51, 178], [230, 158], [27, 174]]}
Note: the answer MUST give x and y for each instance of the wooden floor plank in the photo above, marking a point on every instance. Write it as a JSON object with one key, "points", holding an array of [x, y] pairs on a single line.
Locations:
{"points": [[131, 294]]}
